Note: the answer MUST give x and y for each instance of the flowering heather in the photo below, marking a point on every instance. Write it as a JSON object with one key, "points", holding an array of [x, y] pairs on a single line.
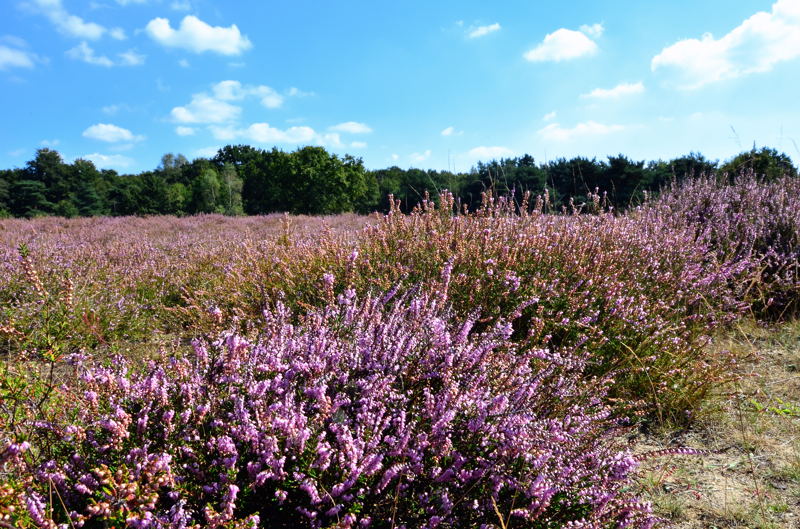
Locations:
{"points": [[643, 295], [752, 222], [372, 412]]}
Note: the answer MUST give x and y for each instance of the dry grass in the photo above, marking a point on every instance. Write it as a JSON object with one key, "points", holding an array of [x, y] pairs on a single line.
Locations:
{"points": [[751, 478]]}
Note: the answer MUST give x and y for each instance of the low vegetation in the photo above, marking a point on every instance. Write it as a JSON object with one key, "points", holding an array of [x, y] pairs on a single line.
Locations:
{"points": [[437, 368]]}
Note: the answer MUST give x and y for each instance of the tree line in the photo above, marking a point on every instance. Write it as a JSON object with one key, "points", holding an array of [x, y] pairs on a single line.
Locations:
{"points": [[241, 179]]}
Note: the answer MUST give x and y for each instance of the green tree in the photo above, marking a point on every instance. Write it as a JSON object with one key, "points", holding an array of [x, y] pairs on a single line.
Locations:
{"points": [[766, 162], [178, 197], [28, 199], [151, 194], [206, 192], [267, 178], [86, 197], [49, 168], [88, 201], [5, 187], [692, 164], [231, 189]]}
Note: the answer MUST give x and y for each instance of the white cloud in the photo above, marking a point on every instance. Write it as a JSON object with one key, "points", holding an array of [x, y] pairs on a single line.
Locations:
{"points": [[352, 127], [84, 52], [621, 90], [109, 161], [562, 45], [15, 58], [205, 109], [110, 133], [420, 157], [181, 5], [358, 145], [184, 131], [196, 36], [128, 2], [489, 153], [549, 116], [131, 58], [395, 157], [481, 31], [556, 132], [118, 34], [594, 31], [218, 108], [235, 91], [329, 139], [50, 143], [449, 131], [265, 133], [296, 92], [183, 63], [112, 110], [17, 42], [66, 23], [755, 46]]}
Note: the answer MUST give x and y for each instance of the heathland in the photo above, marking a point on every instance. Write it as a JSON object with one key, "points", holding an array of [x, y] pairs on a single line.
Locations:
{"points": [[526, 361]]}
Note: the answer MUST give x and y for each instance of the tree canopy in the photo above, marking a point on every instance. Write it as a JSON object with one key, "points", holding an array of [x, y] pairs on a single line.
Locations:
{"points": [[241, 179]]}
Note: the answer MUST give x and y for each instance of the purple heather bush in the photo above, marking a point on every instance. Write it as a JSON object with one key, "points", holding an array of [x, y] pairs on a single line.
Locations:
{"points": [[750, 221], [369, 412]]}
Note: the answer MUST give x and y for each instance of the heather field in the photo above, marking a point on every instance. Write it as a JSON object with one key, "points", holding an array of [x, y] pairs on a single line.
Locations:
{"points": [[520, 365]]}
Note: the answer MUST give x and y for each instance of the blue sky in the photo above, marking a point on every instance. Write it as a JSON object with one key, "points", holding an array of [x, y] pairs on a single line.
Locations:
{"points": [[415, 83]]}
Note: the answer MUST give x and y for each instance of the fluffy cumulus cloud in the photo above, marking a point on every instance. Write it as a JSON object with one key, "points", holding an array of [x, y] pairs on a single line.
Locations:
{"points": [[15, 58], [489, 152], [219, 106], [482, 31], [65, 22], [756, 45], [110, 133], [197, 36], [235, 91], [84, 52], [619, 91], [555, 132], [352, 127], [205, 109], [266, 134], [565, 44], [109, 161], [184, 131]]}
